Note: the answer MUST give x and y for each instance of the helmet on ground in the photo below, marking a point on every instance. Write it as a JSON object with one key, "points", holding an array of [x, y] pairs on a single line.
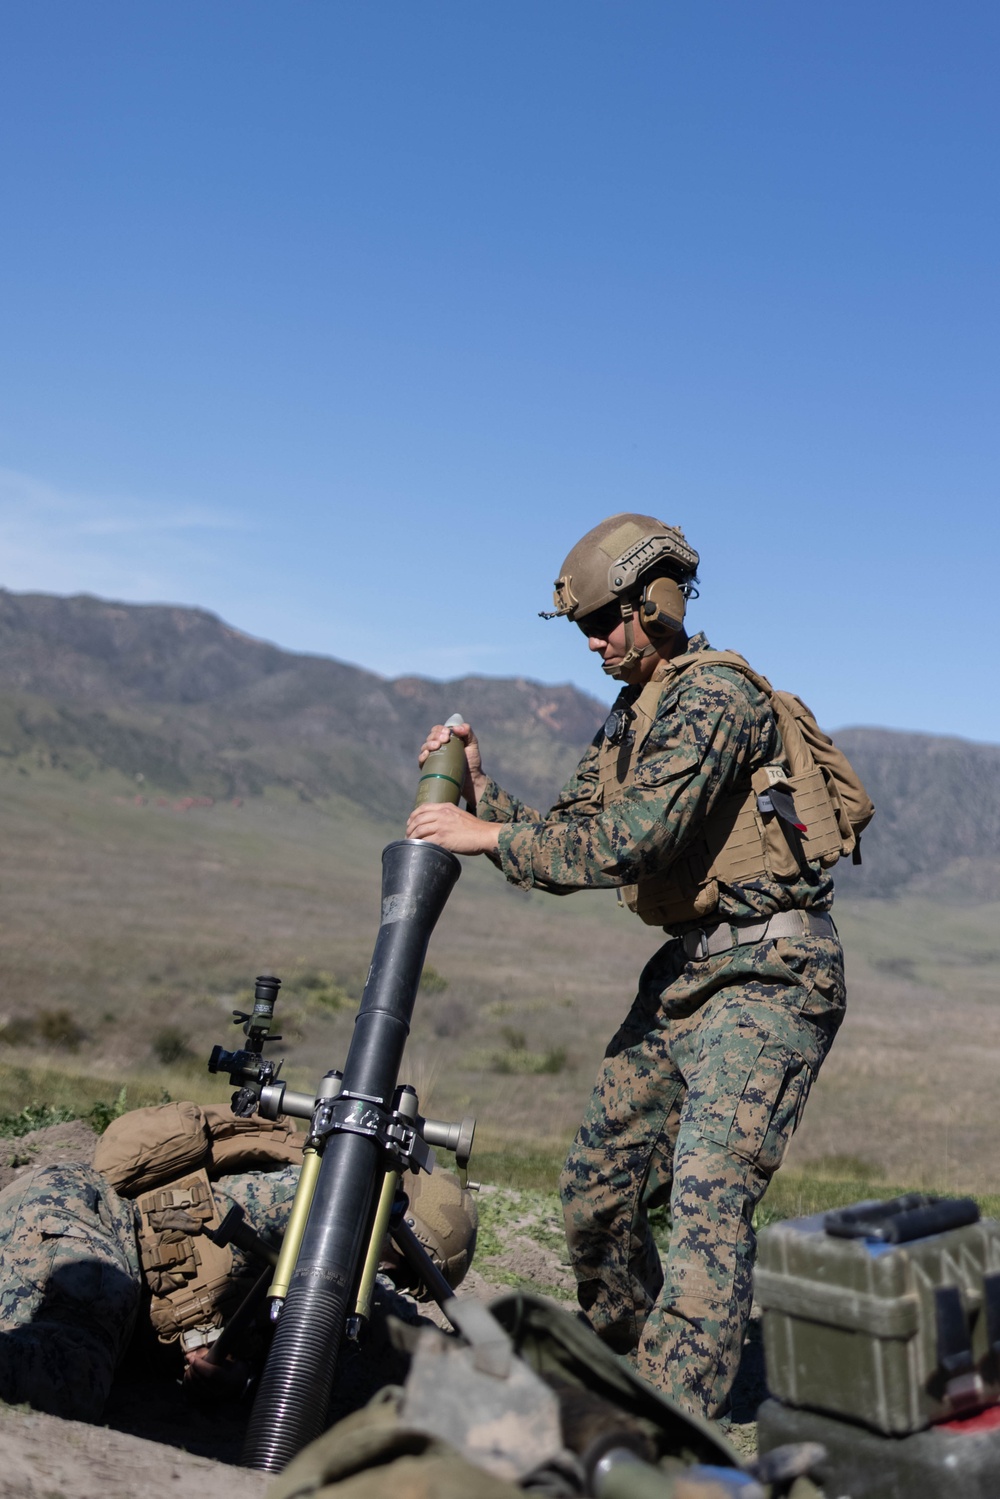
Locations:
{"points": [[637, 563], [444, 1219]]}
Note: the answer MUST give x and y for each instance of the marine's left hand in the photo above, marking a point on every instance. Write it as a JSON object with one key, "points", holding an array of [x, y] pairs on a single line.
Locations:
{"points": [[208, 1380], [440, 822]]}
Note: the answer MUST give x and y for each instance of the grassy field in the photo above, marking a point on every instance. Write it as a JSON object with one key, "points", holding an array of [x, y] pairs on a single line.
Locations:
{"points": [[131, 929]]}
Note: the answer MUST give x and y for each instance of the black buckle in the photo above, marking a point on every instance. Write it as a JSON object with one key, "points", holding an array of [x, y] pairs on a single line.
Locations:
{"points": [[616, 725]]}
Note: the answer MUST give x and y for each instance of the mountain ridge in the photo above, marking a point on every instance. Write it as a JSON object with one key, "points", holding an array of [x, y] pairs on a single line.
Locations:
{"points": [[206, 700], [185, 702]]}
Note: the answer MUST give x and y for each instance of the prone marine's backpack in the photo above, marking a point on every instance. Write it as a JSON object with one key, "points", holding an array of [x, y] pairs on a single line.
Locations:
{"points": [[147, 1147]]}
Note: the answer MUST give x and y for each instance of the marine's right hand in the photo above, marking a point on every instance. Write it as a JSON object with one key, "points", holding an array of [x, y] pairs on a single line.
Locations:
{"points": [[475, 779]]}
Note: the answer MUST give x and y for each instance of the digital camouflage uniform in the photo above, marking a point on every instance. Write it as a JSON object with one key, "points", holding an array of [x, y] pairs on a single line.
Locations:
{"points": [[706, 1079], [70, 1282]]}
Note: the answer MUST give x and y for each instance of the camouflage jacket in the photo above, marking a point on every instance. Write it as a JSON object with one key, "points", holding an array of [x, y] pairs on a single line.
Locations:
{"points": [[711, 732]]}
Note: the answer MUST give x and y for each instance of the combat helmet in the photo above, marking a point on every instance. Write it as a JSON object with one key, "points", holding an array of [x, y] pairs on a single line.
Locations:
{"points": [[442, 1214], [637, 563]]}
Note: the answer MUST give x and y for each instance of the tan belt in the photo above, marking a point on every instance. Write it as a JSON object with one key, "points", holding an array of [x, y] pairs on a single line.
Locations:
{"points": [[705, 942]]}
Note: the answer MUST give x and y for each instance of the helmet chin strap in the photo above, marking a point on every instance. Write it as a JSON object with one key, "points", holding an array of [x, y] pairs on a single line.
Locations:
{"points": [[632, 655]]}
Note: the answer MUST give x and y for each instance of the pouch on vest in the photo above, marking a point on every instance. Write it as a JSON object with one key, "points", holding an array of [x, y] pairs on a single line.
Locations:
{"points": [[148, 1146], [190, 1277], [852, 807]]}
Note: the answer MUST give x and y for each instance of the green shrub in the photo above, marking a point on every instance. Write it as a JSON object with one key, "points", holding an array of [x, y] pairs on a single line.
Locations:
{"points": [[60, 1028], [74, 1095], [322, 989], [659, 1223], [170, 1046], [450, 1017], [101, 1114], [312, 980], [41, 1115], [19, 1032], [49, 1028], [529, 1063], [432, 982], [33, 1116]]}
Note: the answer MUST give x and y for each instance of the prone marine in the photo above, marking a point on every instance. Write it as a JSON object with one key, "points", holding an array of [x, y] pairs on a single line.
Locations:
{"points": [[716, 807], [91, 1254]]}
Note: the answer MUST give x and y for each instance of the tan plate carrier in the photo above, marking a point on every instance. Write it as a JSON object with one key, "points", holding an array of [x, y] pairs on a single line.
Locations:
{"points": [[163, 1157], [738, 842]]}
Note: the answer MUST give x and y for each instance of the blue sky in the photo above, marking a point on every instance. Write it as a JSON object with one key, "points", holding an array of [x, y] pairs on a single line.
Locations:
{"points": [[345, 320]]}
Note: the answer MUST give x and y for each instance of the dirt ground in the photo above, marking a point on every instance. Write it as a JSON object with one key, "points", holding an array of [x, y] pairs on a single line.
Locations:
{"points": [[42, 1457], [53, 1146], [155, 1442]]}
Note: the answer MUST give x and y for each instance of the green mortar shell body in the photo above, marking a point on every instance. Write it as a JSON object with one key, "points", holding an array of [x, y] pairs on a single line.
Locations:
{"points": [[442, 774]]}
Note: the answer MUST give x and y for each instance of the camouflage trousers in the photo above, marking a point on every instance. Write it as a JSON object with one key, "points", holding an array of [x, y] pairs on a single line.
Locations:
{"points": [[700, 1091], [70, 1283]]}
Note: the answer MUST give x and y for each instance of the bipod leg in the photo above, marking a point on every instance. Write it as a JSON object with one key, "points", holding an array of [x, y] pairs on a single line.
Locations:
{"points": [[241, 1318], [361, 1315], [420, 1263], [291, 1243]]}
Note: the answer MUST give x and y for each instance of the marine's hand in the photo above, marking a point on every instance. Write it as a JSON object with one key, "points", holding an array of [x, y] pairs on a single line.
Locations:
{"points": [[209, 1380], [475, 780], [440, 822]]}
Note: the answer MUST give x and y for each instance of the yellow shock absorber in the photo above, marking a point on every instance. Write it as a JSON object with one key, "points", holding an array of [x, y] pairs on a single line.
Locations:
{"points": [[366, 1285], [304, 1192]]}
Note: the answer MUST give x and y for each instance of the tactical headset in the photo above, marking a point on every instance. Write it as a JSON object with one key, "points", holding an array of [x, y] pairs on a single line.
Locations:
{"points": [[662, 606], [659, 609]]}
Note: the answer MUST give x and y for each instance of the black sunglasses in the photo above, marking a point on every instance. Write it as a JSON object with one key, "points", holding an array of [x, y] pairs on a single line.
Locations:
{"points": [[601, 622]]}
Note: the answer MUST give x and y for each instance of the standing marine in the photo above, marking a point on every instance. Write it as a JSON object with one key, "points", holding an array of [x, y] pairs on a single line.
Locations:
{"points": [[717, 808]]}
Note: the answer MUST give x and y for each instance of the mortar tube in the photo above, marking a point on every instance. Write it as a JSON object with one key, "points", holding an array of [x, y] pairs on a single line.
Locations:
{"points": [[294, 1392]]}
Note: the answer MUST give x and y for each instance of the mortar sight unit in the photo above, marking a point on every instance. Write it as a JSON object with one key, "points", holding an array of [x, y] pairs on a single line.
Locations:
{"points": [[249, 1070], [364, 1132]]}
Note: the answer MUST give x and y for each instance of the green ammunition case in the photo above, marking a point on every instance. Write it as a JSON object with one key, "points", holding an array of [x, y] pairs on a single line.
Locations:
{"points": [[894, 1335]]}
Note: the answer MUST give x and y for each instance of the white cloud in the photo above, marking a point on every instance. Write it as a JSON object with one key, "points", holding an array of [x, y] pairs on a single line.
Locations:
{"points": [[58, 541]]}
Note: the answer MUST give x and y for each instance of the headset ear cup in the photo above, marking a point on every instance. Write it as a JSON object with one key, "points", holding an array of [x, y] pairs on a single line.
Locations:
{"points": [[661, 609]]}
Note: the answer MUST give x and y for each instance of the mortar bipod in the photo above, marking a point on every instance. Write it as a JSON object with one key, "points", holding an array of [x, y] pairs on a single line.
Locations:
{"points": [[408, 1143], [277, 1099]]}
